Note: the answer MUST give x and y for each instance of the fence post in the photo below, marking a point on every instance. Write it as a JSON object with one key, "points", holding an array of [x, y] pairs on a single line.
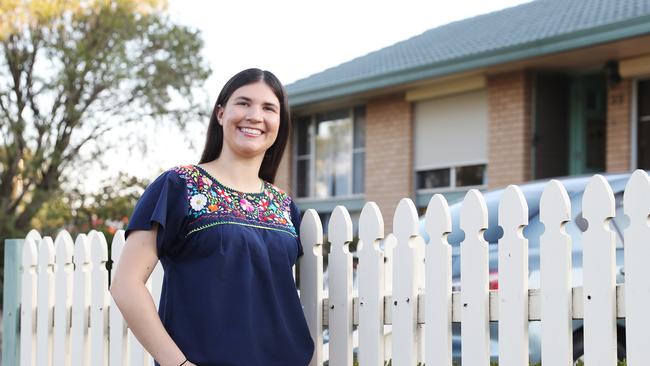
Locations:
{"points": [[11, 302]]}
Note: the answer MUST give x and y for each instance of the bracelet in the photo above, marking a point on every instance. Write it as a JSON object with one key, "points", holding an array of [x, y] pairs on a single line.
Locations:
{"points": [[183, 363]]}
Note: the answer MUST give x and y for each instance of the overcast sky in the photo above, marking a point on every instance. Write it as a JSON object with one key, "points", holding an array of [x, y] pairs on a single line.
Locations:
{"points": [[293, 39]]}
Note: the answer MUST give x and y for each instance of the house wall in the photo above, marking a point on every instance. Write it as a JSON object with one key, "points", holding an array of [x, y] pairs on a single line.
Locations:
{"points": [[283, 176], [509, 128], [618, 129], [389, 154]]}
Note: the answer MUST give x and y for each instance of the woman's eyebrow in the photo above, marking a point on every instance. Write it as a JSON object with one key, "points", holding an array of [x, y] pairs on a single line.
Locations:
{"points": [[266, 104]]}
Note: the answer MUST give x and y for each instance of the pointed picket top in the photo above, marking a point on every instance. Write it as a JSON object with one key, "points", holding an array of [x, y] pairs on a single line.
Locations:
{"points": [[339, 230], [34, 235], [81, 250], [438, 300], [311, 232], [98, 247], [371, 227], [438, 218], [405, 221], [554, 205], [513, 211], [597, 201], [636, 199], [30, 254], [311, 279], [117, 245], [599, 272], [45, 254], [473, 214], [64, 247]]}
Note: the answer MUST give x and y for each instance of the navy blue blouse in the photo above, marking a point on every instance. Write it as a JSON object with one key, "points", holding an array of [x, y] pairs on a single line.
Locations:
{"points": [[228, 294]]}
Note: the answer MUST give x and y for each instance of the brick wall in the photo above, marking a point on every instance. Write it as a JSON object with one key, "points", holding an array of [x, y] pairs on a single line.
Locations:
{"points": [[509, 128], [619, 98], [389, 154]]}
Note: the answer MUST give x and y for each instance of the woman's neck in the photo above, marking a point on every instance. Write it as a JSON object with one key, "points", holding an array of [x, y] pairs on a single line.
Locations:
{"points": [[235, 172]]}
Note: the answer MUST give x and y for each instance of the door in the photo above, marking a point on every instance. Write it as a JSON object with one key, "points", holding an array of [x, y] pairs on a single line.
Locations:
{"points": [[587, 116]]}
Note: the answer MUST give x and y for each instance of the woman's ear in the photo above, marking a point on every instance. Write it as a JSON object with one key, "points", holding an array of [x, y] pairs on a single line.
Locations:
{"points": [[219, 115]]}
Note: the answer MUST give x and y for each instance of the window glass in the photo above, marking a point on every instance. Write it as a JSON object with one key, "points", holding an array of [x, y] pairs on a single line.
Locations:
{"points": [[434, 178], [359, 127], [472, 175], [302, 178], [333, 160], [359, 172], [302, 131]]}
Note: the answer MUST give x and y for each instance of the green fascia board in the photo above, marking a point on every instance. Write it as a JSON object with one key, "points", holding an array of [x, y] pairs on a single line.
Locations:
{"points": [[584, 38]]}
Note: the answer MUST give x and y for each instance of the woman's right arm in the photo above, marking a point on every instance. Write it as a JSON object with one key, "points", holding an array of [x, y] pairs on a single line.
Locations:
{"points": [[128, 288]]}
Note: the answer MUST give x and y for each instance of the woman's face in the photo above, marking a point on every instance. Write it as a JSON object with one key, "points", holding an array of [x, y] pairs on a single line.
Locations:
{"points": [[250, 120]]}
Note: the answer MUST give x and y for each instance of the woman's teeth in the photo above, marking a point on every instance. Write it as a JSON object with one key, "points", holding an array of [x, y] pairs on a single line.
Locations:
{"points": [[250, 131]]}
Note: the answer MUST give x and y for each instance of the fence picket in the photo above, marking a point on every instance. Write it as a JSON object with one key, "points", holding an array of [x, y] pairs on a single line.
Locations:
{"points": [[340, 288], [45, 302], [475, 330], [311, 280], [98, 300], [513, 279], [29, 285], [555, 268], [438, 284], [65, 314], [599, 264], [118, 335], [80, 303], [63, 273], [371, 286], [406, 265], [637, 272]]}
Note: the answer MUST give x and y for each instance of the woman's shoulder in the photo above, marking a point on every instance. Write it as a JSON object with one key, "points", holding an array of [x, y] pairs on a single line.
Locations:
{"points": [[278, 193]]}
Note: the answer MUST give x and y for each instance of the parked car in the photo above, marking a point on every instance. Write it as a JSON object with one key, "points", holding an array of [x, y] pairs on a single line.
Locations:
{"points": [[532, 192]]}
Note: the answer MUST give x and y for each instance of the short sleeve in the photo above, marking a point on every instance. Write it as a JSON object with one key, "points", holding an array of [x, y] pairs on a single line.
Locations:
{"points": [[165, 203], [295, 219]]}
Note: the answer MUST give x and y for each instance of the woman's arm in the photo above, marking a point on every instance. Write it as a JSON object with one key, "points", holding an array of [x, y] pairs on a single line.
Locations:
{"points": [[129, 291]]}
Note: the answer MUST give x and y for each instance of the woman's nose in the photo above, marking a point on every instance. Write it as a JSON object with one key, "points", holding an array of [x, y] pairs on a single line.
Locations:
{"points": [[254, 114]]}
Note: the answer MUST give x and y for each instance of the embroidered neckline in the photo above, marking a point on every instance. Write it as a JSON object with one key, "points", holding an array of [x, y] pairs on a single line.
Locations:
{"points": [[225, 187], [211, 202]]}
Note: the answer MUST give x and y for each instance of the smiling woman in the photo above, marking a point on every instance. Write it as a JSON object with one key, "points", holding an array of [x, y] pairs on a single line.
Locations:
{"points": [[227, 239]]}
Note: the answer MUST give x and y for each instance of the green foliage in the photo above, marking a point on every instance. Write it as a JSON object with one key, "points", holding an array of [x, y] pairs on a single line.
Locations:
{"points": [[71, 72]]}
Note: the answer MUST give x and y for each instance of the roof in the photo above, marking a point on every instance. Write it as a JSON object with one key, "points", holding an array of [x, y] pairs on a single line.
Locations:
{"points": [[533, 29]]}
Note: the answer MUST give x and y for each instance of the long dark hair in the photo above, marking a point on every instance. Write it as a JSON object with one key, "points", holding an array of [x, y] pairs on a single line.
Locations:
{"points": [[273, 155]]}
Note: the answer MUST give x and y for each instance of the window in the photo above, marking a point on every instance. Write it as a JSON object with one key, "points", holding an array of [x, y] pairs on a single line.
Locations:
{"points": [[330, 154], [450, 143], [451, 177], [643, 124]]}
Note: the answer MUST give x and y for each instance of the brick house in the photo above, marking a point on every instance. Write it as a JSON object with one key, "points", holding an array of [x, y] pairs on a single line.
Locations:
{"points": [[544, 89]]}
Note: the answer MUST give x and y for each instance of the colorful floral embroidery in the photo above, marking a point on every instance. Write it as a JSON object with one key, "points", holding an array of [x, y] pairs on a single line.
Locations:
{"points": [[211, 203]]}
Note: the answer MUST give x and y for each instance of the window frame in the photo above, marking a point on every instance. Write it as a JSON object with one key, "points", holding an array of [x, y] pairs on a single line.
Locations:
{"points": [[452, 178], [311, 157]]}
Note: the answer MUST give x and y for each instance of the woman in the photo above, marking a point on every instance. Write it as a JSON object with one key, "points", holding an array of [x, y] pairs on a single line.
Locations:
{"points": [[227, 240]]}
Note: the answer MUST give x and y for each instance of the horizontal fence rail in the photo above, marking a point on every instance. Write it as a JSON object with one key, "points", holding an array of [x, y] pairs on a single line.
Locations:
{"points": [[405, 305]]}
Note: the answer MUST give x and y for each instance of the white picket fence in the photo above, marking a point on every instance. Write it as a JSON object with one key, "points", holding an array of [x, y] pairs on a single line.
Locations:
{"points": [[67, 315], [68, 318]]}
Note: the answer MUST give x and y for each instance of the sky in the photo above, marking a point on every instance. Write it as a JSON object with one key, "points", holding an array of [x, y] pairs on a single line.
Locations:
{"points": [[293, 39]]}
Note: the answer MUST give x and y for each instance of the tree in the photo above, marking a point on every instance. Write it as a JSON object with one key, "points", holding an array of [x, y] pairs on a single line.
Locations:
{"points": [[70, 72], [73, 70]]}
